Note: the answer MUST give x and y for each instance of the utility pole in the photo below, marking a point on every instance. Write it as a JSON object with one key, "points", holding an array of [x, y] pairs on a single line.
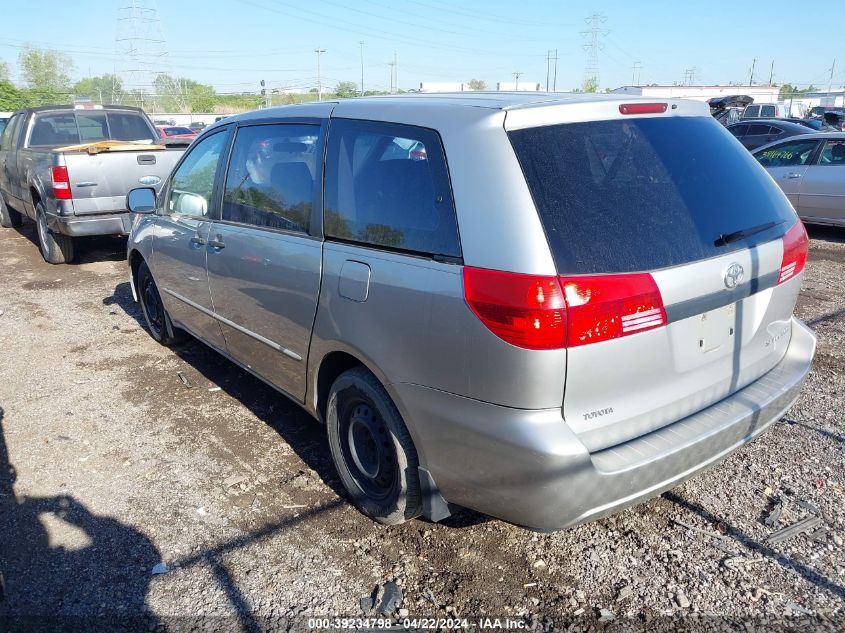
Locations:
{"points": [[634, 73], [554, 81], [516, 77], [393, 82], [362, 67], [772, 72], [548, 67], [319, 52], [830, 81], [395, 73], [751, 75]]}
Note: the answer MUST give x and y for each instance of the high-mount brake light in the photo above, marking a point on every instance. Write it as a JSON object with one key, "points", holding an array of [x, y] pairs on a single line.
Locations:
{"points": [[547, 312], [61, 183], [795, 246], [642, 108]]}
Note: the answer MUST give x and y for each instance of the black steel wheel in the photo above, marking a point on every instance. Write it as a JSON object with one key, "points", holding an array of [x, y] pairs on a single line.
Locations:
{"points": [[372, 449]]}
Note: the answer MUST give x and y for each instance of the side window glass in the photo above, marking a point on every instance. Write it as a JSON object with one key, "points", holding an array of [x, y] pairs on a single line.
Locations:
{"points": [[6, 138], [387, 185], [126, 126], [775, 131], [739, 130], [789, 154], [833, 153], [271, 176], [192, 185], [768, 111], [758, 130]]}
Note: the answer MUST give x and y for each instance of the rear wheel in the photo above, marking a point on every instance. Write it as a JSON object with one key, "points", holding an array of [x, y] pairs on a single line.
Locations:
{"points": [[372, 449], [55, 247], [9, 218], [158, 322]]}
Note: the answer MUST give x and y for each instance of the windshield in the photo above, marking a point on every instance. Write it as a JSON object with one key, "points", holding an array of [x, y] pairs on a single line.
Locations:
{"points": [[645, 193]]}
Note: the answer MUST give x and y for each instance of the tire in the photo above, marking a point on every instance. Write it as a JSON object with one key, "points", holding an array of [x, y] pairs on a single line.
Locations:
{"points": [[372, 449], [55, 247], [158, 321], [9, 218]]}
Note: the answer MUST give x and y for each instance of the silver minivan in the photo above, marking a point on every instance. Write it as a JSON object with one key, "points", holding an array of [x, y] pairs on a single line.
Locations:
{"points": [[542, 307]]}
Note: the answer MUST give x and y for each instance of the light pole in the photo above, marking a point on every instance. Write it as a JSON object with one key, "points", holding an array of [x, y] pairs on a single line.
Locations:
{"points": [[362, 67], [516, 81], [319, 52]]}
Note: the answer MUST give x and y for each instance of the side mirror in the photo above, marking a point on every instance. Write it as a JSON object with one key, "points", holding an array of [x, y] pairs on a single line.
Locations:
{"points": [[141, 200]]}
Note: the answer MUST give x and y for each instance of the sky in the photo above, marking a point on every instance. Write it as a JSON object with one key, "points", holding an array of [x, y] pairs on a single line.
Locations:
{"points": [[233, 44]]}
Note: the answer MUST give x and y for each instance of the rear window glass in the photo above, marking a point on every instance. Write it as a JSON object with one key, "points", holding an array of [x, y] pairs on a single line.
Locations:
{"points": [[70, 128], [643, 194]]}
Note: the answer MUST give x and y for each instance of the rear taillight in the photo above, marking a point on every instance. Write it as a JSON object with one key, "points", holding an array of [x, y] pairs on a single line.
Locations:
{"points": [[795, 246], [546, 312], [524, 310], [61, 183], [643, 108], [604, 307]]}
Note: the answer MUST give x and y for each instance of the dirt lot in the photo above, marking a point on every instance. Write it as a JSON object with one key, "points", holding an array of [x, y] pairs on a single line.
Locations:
{"points": [[110, 465]]}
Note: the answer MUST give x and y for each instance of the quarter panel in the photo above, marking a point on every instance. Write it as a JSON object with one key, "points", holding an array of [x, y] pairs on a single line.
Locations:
{"points": [[415, 327]]}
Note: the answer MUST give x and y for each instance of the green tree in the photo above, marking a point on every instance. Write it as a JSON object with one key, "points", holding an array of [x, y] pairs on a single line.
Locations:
{"points": [[11, 98], [106, 89], [477, 84], [590, 85], [789, 91], [345, 89], [47, 74]]}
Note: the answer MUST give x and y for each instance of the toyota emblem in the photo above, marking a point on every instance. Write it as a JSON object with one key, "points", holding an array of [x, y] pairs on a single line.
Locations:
{"points": [[734, 275]]}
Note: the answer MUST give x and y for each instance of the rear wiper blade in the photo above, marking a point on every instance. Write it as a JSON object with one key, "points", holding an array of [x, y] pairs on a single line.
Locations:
{"points": [[726, 238]]}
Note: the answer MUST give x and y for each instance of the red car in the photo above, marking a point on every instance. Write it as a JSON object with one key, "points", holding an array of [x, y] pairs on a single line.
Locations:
{"points": [[176, 132]]}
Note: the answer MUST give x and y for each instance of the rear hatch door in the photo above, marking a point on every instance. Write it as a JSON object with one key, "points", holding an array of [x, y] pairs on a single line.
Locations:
{"points": [[672, 202]]}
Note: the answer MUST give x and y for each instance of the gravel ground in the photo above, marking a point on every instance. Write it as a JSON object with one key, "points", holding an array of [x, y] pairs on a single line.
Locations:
{"points": [[110, 465]]}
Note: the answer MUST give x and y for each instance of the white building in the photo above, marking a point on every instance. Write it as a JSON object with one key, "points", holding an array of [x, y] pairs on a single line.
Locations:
{"points": [[760, 94], [521, 86], [444, 86]]}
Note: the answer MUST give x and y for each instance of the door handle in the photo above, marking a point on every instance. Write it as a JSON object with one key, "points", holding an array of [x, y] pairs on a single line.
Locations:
{"points": [[217, 242], [197, 240], [792, 175]]}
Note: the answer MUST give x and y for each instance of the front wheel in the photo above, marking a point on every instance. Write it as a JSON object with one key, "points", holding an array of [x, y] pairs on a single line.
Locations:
{"points": [[55, 247], [9, 218], [158, 321], [372, 449]]}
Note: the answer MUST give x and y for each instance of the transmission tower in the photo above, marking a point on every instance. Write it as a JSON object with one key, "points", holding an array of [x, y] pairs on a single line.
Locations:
{"points": [[593, 46], [144, 63]]}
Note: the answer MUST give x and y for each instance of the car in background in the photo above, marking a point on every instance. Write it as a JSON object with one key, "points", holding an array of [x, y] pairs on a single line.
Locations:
{"points": [[753, 134], [766, 111], [810, 170], [197, 126], [834, 119], [177, 132], [729, 109], [615, 314]]}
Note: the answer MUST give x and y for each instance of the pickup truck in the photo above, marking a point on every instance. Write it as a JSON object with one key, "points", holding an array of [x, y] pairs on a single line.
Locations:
{"points": [[69, 170]]}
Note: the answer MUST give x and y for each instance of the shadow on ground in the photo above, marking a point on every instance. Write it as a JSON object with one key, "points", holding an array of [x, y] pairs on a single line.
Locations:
{"points": [[61, 564], [86, 249]]}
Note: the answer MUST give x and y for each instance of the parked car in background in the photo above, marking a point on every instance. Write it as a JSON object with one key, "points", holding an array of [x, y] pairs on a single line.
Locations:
{"points": [[811, 172], [177, 132], [766, 111], [835, 119], [70, 169], [729, 109], [197, 126], [614, 315], [755, 133]]}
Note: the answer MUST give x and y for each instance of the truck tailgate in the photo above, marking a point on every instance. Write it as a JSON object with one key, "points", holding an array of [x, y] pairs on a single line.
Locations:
{"points": [[99, 182]]}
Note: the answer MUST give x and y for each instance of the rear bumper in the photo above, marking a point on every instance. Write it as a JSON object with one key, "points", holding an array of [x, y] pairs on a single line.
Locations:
{"points": [[528, 468], [78, 226]]}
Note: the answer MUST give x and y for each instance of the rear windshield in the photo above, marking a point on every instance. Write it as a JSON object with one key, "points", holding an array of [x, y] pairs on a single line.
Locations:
{"points": [[647, 193], [55, 129]]}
